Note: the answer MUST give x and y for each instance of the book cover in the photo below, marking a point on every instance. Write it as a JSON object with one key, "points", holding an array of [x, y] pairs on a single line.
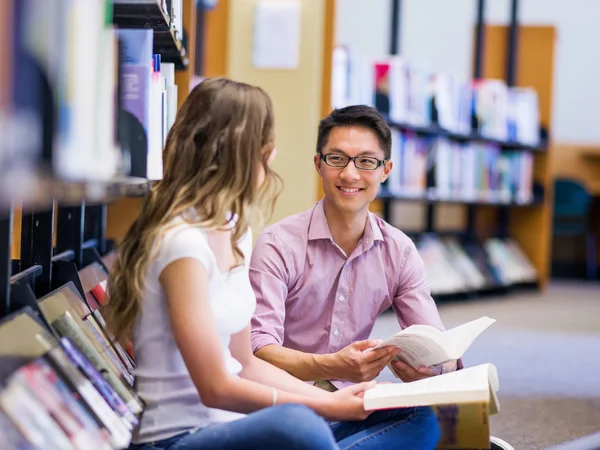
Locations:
{"points": [[77, 378], [68, 327], [111, 396], [136, 72], [462, 401], [73, 419], [31, 418]]}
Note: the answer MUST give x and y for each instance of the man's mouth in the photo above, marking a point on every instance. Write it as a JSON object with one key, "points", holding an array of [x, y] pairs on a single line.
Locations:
{"points": [[349, 190]]}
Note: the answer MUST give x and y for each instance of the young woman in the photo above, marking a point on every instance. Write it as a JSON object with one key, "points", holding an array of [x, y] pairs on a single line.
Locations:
{"points": [[180, 290]]}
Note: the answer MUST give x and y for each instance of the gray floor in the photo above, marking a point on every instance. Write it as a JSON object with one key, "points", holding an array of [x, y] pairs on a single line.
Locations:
{"points": [[547, 350]]}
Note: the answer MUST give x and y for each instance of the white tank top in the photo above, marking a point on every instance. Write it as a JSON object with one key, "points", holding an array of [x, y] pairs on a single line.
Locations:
{"points": [[172, 401]]}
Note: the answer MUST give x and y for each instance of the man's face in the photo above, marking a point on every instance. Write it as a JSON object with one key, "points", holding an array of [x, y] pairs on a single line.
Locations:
{"points": [[348, 188]]}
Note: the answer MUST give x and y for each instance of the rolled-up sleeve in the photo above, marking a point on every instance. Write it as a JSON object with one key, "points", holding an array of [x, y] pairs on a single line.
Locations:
{"points": [[269, 277]]}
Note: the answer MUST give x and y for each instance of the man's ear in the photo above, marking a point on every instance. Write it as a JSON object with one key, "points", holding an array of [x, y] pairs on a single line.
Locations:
{"points": [[317, 160], [387, 170]]}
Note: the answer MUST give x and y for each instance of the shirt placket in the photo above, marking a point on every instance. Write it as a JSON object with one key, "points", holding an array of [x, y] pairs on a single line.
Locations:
{"points": [[340, 310]]}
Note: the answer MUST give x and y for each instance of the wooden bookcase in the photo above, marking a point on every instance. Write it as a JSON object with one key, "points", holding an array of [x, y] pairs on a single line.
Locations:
{"points": [[530, 226]]}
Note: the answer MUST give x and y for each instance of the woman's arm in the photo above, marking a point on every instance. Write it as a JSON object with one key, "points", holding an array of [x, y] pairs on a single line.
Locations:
{"points": [[185, 282]]}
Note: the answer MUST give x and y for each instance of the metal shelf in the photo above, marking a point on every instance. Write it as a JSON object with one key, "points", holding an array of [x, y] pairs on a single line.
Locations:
{"points": [[150, 14]]}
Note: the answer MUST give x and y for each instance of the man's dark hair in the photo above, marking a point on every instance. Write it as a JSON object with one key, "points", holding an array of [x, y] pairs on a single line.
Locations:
{"points": [[356, 115]]}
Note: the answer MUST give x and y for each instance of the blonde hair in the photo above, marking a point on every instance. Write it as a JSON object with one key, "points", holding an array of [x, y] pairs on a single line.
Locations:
{"points": [[223, 134]]}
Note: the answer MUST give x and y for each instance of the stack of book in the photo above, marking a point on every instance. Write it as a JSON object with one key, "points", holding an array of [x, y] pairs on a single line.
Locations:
{"points": [[65, 383], [453, 267]]}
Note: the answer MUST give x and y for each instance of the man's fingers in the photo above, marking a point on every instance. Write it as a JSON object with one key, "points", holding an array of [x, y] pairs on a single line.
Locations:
{"points": [[383, 352], [428, 371], [381, 361], [405, 368]]}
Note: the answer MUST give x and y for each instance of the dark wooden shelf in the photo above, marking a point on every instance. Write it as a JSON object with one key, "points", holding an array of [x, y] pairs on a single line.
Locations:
{"points": [[435, 130], [432, 198], [149, 14]]}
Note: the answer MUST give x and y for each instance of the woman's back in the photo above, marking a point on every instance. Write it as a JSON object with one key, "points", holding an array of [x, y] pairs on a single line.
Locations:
{"points": [[173, 404]]}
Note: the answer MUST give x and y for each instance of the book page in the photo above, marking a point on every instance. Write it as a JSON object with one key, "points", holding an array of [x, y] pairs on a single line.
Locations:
{"points": [[471, 384], [417, 350], [460, 338], [424, 345]]}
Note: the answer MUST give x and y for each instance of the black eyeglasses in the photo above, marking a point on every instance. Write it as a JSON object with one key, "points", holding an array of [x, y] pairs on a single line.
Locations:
{"points": [[360, 162]]}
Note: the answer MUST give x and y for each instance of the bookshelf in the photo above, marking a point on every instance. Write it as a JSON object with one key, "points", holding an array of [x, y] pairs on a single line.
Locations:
{"points": [[55, 254], [504, 216], [168, 37]]}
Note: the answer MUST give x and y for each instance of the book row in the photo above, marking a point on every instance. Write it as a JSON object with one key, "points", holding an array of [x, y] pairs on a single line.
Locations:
{"points": [[90, 101], [409, 92], [455, 267], [65, 384], [442, 169]]}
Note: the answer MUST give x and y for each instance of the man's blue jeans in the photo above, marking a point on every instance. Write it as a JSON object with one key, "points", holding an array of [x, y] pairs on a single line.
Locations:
{"points": [[296, 427], [406, 428]]}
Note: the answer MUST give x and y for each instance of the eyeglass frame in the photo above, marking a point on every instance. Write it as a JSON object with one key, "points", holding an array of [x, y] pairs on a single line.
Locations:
{"points": [[380, 162]]}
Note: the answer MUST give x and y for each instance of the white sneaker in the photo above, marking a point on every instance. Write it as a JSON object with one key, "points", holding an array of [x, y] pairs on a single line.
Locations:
{"points": [[499, 444]]}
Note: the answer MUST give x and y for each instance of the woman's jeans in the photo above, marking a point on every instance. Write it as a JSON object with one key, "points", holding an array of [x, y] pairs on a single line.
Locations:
{"points": [[296, 427]]}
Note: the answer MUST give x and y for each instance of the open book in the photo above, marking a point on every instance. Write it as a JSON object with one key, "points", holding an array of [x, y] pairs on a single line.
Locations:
{"points": [[424, 345], [462, 400]]}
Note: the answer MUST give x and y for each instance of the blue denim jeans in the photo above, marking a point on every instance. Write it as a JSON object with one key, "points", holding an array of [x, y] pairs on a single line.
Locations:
{"points": [[406, 428], [289, 427], [295, 427]]}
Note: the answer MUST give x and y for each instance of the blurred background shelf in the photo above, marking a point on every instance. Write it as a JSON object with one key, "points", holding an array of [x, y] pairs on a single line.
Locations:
{"points": [[432, 198], [435, 130], [168, 41]]}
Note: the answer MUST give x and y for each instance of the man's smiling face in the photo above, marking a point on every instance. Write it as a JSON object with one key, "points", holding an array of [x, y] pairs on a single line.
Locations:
{"points": [[350, 189]]}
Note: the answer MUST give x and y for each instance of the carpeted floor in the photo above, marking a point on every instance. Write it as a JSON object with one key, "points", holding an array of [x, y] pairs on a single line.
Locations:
{"points": [[547, 351]]}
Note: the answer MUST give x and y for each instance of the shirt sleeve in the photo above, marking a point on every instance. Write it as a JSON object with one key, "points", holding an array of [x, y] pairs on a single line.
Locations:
{"points": [[269, 277], [413, 303], [184, 242]]}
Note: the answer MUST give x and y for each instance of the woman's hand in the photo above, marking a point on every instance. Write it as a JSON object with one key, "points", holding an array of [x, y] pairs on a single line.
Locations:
{"points": [[347, 403]]}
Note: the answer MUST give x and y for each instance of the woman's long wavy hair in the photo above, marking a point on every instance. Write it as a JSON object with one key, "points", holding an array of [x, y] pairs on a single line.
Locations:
{"points": [[212, 162]]}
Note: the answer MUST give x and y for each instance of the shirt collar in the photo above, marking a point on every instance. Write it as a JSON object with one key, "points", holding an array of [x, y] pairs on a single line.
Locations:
{"points": [[319, 229]]}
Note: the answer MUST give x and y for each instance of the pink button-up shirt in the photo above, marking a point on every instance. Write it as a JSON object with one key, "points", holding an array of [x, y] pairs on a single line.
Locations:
{"points": [[314, 298]]}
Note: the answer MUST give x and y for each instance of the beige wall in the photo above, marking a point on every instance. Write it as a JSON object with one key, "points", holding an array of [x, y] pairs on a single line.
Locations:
{"points": [[296, 95]]}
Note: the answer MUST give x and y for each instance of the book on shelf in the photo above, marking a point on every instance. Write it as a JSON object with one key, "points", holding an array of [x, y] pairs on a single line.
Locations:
{"points": [[62, 312], [113, 415], [463, 402], [76, 423], [22, 333], [409, 93], [424, 345], [52, 392], [149, 102], [65, 74], [453, 266], [438, 168]]}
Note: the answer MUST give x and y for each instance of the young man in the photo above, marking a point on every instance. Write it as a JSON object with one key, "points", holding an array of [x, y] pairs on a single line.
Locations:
{"points": [[322, 277]]}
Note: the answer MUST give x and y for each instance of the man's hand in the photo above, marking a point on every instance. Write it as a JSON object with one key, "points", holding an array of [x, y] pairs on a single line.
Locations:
{"points": [[352, 364], [407, 373]]}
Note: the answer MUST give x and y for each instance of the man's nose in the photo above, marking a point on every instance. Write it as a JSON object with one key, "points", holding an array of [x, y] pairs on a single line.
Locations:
{"points": [[350, 172]]}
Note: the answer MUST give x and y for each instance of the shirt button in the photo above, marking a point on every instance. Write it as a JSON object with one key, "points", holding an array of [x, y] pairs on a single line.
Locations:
{"points": [[341, 298], [336, 332]]}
